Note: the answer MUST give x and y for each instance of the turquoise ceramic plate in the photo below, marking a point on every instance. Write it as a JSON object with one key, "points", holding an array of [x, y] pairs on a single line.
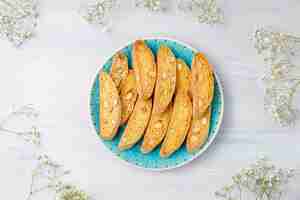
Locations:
{"points": [[152, 160]]}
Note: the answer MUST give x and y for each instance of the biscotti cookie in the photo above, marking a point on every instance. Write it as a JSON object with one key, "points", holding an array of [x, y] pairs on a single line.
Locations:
{"points": [[178, 126], [119, 68], [145, 68], [137, 124], [110, 107], [198, 132], [202, 87], [183, 77], [166, 79], [156, 130], [128, 94]]}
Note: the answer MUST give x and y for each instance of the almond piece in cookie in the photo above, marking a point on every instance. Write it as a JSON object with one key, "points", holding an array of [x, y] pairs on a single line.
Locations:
{"points": [[198, 132], [202, 86], [166, 79], [178, 126], [128, 94], [183, 77], [137, 124], [156, 130], [145, 68], [119, 68], [110, 107]]}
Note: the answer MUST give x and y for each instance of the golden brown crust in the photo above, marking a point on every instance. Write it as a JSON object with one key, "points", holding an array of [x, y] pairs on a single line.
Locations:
{"points": [[128, 94], [137, 124], [202, 87], [178, 126], [145, 68], [156, 130], [166, 79], [119, 68], [110, 107], [183, 78], [198, 132]]}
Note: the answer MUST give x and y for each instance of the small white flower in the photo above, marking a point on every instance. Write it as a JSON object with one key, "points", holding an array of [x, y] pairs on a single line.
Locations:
{"points": [[151, 5], [277, 50], [99, 12], [259, 179], [18, 20], [270, 184], [204, 11], [71, 192]]}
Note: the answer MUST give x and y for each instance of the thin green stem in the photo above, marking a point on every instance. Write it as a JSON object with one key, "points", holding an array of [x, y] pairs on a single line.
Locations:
{"points": [[30, 188], [4, 130]]}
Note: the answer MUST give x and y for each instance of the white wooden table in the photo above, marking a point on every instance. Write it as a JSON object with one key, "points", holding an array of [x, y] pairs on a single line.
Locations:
{"points": [[55, 71]]}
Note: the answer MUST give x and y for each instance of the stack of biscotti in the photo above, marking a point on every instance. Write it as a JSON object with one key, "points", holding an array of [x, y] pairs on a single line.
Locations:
{"points": [[161, 101]]}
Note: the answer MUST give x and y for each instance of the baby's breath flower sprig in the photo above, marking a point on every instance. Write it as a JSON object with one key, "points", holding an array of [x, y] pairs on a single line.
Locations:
{"points": [[48, 172], [28, 111], [263, 180], [71, 192], [279, 100], [48, 175], [151, 5], [282, 77], [204, 11], [18, 19], [99, 12], [275, 43]]}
